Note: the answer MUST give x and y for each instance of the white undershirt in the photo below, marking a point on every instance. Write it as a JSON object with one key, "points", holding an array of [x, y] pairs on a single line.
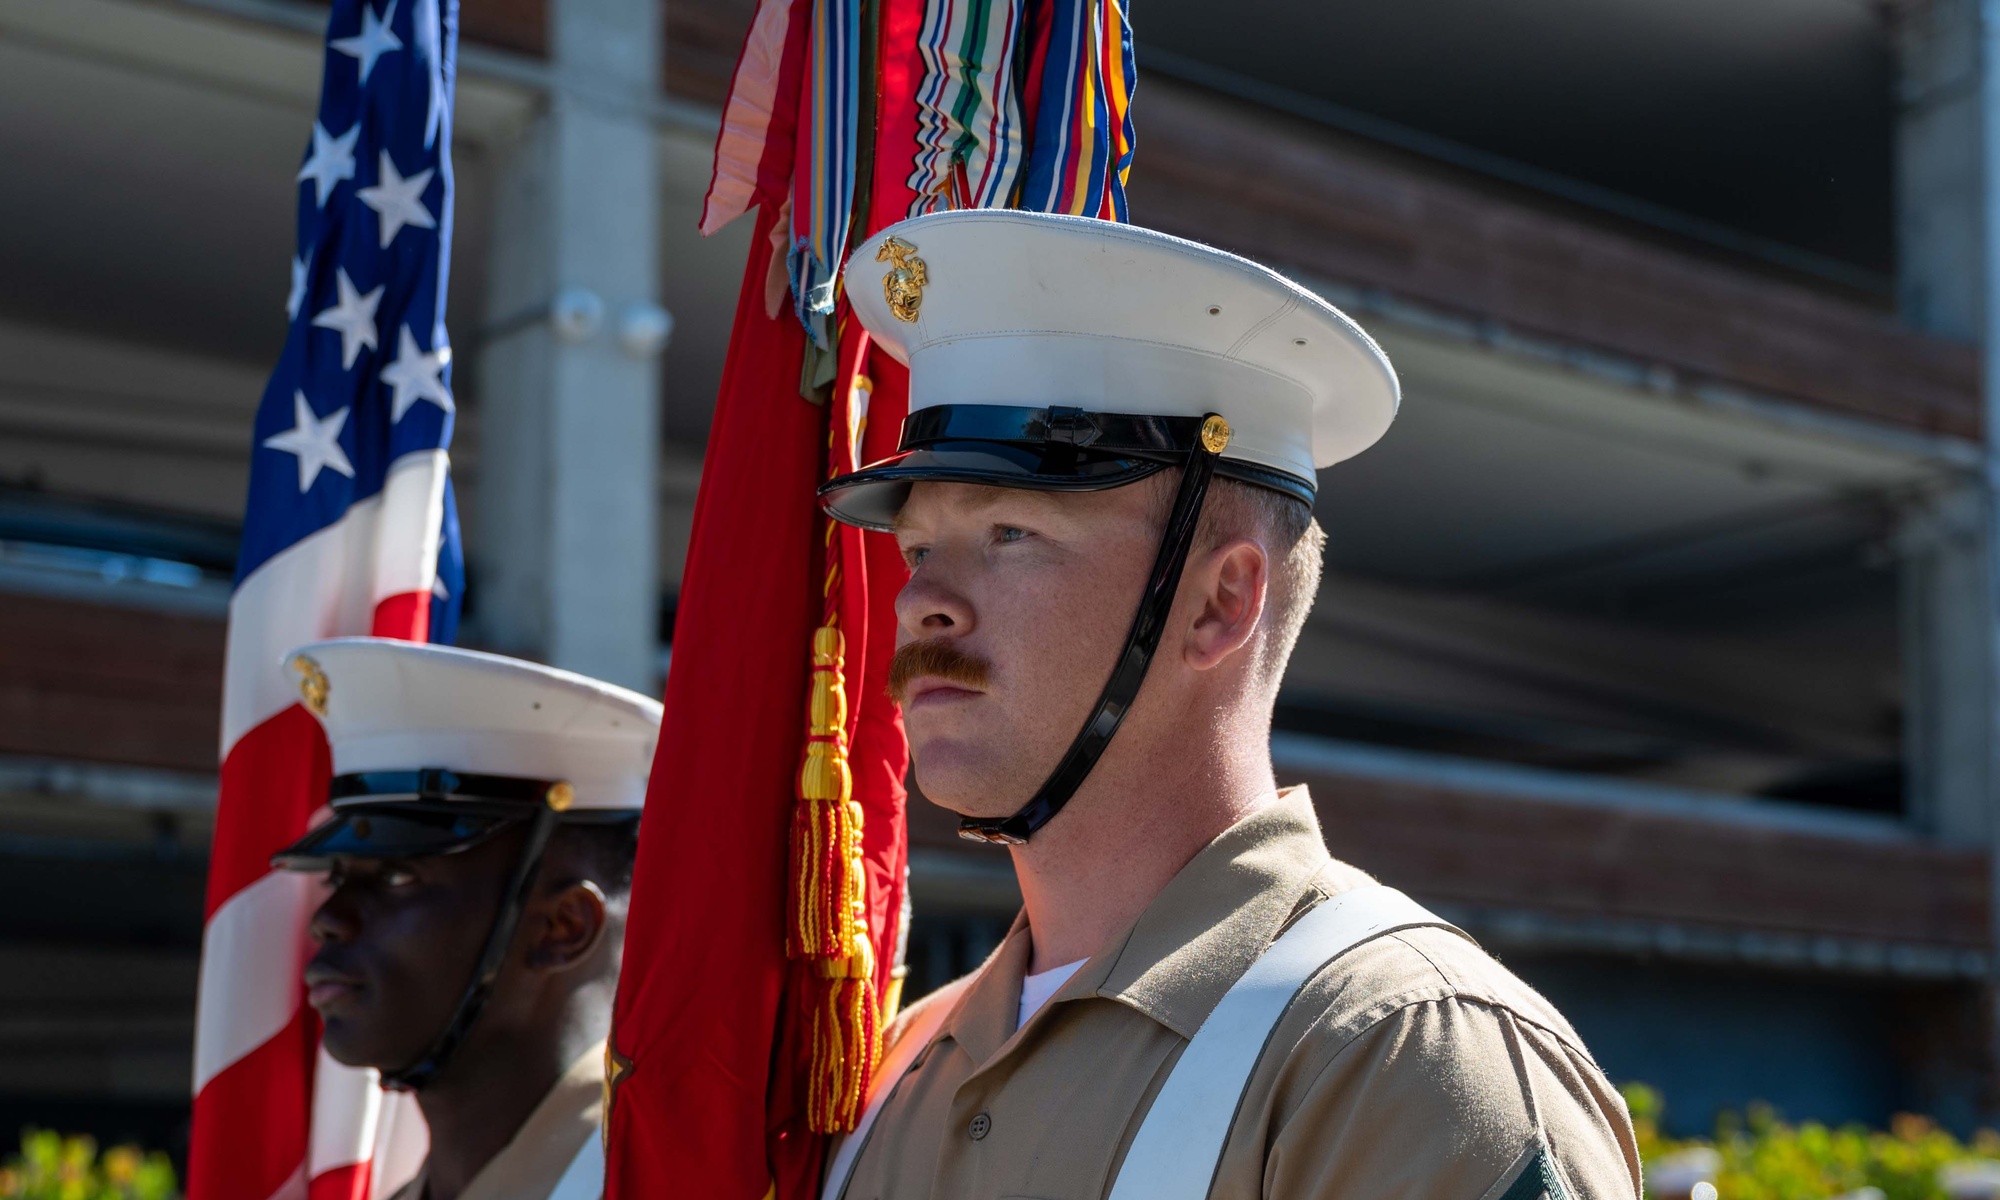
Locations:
{"points": [[1036, 989]]}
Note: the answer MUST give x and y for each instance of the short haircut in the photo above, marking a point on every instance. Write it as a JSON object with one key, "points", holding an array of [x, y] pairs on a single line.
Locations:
{"points": [[1286, 528], [600, 851]]}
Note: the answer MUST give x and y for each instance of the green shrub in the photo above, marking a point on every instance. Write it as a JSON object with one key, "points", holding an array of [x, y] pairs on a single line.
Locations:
{"points": [[1760, 1156], [53, 1167]]}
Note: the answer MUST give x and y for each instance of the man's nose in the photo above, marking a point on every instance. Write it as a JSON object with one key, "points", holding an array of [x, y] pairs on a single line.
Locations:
{"points": [[334, 921], [928, 606]]}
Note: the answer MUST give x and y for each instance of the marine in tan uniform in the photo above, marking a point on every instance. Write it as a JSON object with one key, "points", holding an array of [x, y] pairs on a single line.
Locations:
{"points": [[1106, 419], [479, 858]]}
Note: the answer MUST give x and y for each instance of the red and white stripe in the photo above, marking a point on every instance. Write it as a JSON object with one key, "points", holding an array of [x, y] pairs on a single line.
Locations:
{"points": [[274, 1118]]}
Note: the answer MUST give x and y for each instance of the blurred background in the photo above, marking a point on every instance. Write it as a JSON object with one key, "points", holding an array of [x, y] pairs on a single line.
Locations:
{"points": [[1658, 651]]}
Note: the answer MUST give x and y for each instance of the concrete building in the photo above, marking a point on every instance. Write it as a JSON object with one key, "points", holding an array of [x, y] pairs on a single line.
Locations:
{"points": [[1660, 644]]}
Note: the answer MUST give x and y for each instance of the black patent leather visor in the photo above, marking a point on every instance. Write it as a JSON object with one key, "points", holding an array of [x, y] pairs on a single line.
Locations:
{"points": [[1042, 449], [398, 829], [872, 496]]}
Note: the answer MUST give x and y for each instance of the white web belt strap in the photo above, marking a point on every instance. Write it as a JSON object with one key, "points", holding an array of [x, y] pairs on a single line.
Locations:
{"points": [[1180, 1141], [584, 1177]]}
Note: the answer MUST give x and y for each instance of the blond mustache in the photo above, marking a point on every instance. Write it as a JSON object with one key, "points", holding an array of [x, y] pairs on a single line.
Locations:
{"points": [[935, 658]]}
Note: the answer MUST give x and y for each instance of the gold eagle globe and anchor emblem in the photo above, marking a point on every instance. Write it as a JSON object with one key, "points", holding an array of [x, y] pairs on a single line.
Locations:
{"points": [[312, 683], [903, 287]]}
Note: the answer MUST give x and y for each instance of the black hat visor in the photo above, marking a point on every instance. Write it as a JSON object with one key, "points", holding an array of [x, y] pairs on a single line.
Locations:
{"points": [[871, 497], [399, 829], [1053, 449]]}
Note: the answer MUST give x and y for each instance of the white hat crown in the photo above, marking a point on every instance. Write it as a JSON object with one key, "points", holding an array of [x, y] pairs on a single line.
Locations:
{"points": [[390, 705], [1003, 307]]}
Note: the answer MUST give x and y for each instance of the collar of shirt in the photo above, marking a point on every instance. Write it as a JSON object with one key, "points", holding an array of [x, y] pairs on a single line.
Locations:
{"points": [[1036, 989], [1193, 941], [534, 1159]]}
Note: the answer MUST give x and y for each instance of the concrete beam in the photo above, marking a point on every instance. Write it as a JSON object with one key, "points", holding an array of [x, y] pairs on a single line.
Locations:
{"points": [[269, 50], [69, 782]]}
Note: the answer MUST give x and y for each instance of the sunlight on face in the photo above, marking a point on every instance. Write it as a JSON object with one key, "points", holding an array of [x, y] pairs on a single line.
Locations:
{"points": [[1042, 586]]}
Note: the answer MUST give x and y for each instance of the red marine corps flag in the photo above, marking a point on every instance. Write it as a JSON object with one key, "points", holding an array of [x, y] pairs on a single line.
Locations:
{"points": [[761, 961], [350, 528]]}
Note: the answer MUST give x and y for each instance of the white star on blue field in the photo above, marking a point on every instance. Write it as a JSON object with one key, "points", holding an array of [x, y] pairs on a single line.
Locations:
{"points": [[417, 375], [353, 317], [374, 40], [315, 442], [398, 201]]}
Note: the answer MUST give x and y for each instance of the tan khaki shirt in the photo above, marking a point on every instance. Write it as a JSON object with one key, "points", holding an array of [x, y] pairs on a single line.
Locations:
{"points": [[1413, 1066], [533, 1161]]}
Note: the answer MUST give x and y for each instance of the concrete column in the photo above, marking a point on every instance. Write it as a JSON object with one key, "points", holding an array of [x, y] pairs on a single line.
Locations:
{"points": [[1948, 230], [1951, 650], [570, 425], [1947, 607], [1988, 158], [1940, 197]]}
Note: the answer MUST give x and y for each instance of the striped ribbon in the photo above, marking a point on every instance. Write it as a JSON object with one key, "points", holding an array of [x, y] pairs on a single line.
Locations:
{"points": [[823, 193], [1081, 78], [1022, 104], [1072, 104], [969, 114]]}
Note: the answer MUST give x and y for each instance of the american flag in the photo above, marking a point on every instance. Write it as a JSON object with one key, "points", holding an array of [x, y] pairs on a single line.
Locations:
{"points": [[350, 528]]}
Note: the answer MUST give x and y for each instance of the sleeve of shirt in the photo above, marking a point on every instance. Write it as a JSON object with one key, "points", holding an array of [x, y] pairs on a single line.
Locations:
{"points": [[1452, 1099]]}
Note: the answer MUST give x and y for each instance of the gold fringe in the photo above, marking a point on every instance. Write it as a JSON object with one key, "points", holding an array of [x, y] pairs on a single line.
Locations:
{"points": [[829, 910], [846, 1042]]}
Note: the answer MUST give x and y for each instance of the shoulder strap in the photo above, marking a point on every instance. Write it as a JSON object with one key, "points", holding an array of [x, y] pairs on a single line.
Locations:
{"points": [[921, 1031], [1180, 1141], [583, 1179]]}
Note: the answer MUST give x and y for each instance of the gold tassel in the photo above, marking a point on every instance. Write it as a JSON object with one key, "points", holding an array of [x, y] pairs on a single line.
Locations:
{"points": [[829, 922], [826, 825], [846, 1042]]}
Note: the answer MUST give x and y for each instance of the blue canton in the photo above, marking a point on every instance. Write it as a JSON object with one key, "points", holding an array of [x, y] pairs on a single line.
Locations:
{"points": [[365, 377]]}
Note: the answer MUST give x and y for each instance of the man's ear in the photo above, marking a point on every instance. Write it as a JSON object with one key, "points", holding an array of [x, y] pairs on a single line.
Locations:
{"points": [[573, 923], [1234, 580]]}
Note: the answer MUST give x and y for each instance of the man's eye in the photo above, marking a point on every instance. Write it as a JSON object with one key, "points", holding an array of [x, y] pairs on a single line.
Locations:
{"points": [[398, 877], [1011, 533]]}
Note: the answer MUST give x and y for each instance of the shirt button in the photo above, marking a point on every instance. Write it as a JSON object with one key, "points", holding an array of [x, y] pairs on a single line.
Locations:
{"points": [[980, 1127]]}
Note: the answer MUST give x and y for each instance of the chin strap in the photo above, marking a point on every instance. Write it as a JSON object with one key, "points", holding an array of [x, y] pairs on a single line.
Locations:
{"points": [[1123, 686], [491, 959]]}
